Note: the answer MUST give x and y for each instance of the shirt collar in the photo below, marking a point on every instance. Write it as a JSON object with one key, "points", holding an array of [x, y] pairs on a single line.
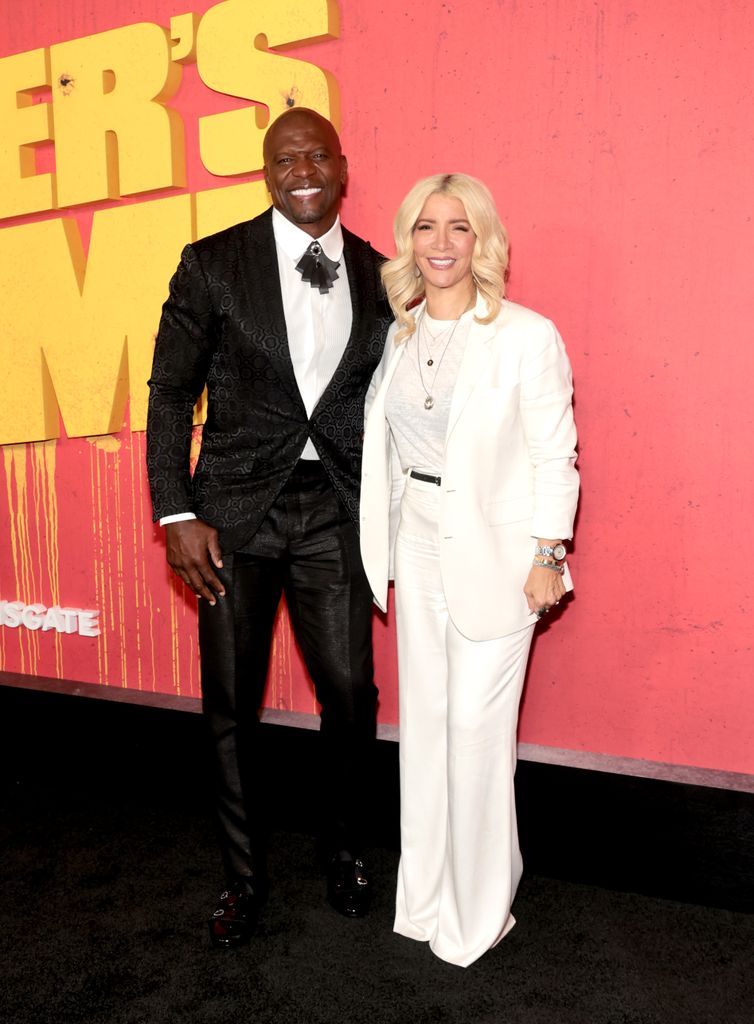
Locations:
{"points": [[294, 241]]}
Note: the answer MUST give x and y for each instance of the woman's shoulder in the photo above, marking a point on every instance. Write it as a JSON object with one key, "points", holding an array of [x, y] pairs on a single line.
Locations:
{"points": [[515, 313], [520, 332], [528, 323]]}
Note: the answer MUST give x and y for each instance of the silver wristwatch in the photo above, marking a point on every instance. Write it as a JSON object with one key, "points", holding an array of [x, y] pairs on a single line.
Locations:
{"points": [[557, 551]]}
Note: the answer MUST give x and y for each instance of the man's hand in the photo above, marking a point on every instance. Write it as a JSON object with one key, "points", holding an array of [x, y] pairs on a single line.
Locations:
{"points": [[191, 544]]}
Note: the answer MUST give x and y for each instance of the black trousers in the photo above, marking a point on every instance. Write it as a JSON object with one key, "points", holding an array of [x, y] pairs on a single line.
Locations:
{"points": [[308, 549]]}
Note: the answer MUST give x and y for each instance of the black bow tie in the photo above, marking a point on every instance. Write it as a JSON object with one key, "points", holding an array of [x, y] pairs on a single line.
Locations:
{"points": [[316, 268]]}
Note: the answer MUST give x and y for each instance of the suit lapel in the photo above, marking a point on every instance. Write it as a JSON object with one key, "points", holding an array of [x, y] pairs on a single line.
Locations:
{"points": [[361, 285], [476, 356], [267, 318], [266, 323], [394, 358]]}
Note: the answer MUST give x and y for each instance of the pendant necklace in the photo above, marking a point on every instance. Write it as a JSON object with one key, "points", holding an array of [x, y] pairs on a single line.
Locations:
{"points": [[434, 338], [429, 401]]}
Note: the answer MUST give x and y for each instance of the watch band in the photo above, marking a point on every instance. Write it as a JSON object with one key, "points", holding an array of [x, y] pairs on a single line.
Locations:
{"points": [[556, 551]]}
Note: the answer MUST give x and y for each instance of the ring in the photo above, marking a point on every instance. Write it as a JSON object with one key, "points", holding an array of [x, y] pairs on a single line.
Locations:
{"points": [[542, 611]]}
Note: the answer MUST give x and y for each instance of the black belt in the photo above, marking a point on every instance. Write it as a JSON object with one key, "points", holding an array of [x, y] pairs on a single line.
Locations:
{"points": [[426, 477]]}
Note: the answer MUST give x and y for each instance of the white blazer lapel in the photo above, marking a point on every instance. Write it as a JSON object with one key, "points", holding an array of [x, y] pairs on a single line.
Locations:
{"points": [[475, 358], [376, 507], [375, 399]]}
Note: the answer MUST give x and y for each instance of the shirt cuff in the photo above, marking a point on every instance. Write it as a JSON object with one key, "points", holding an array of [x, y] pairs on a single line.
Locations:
{"points": [[180, 517]]}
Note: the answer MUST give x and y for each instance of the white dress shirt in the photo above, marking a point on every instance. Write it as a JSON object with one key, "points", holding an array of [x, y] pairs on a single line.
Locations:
{"points": [[318, 326]]}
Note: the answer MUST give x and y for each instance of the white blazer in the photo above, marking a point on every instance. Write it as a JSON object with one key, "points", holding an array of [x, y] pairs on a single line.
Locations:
{"points": [[508, 472]]}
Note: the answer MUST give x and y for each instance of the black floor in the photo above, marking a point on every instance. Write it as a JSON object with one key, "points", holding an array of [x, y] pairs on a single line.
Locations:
{"points": [[636, 907]]}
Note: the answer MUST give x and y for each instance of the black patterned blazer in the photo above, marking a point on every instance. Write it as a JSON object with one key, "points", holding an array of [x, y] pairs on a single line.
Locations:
{"points": [[223, 325]]}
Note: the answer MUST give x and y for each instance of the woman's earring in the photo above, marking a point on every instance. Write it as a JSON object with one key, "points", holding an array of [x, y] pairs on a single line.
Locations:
{"points": [[417, 272]]}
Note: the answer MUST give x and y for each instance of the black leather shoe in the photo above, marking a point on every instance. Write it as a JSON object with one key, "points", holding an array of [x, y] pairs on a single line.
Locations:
{"points": [[235, 918], [348, 888]]}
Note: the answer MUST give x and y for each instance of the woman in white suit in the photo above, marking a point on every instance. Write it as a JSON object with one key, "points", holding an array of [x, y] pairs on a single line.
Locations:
{"points": [[469, 491]]}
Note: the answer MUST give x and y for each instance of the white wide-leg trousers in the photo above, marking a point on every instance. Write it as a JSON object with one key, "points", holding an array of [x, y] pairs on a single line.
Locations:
{"points": [[460, 860]]}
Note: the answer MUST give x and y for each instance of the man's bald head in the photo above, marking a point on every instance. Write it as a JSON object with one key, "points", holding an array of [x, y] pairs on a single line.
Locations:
{"points": [[305, 169], [299, 116]]}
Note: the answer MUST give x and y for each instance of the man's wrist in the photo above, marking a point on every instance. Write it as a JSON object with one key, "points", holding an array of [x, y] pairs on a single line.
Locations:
{"points": [[179, 517]]}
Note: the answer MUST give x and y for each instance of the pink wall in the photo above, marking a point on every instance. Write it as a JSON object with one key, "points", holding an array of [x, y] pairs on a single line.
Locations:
{"points": [[617, 139]]}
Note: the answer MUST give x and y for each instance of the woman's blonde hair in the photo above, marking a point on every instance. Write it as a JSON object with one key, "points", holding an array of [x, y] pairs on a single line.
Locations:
{"points": [[489, 262]]}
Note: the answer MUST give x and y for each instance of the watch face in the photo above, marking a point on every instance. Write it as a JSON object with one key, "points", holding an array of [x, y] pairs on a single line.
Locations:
{"points": [[559, 552]]}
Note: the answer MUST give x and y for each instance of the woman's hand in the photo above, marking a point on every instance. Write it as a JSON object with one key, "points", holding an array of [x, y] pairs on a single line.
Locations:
{"points": [[543, 588]]}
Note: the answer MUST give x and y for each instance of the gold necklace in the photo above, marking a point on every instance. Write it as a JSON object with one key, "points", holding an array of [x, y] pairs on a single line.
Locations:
{"points": [[434, 338]]}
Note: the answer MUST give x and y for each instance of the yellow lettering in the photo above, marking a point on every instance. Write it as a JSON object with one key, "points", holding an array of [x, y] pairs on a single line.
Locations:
{"points": [[113, 134], [23, 123], [80, 347], [64, 347], [77, 329], [183, 35], [218, 208], [231, 142]]}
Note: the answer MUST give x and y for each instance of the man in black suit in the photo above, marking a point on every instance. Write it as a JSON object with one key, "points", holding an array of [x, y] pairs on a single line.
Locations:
{"points": [[283, 319]]}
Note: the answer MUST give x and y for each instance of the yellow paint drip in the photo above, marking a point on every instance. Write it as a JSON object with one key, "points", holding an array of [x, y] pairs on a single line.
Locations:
{"points": [[105, 442], [98, 567], [44, 456], [15, 457]]}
